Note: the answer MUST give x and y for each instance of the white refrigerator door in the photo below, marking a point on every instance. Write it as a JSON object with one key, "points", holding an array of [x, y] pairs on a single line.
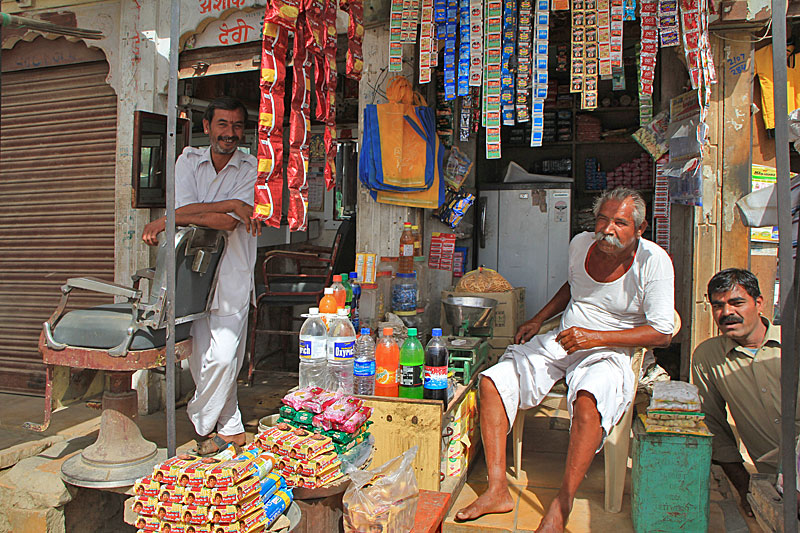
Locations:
{"points": [[559, 206]]}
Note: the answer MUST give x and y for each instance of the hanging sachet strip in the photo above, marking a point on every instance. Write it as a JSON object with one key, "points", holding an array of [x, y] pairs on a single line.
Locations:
{"points": [[355, 36], [606, 13], [647, 59], [331, 76], [577, 48], [299, 128], [540, 75], [396, 36], [508, 52], [493, 29], [451, 29], [269, 182], [524, 60], [463, 47], [668, 23], [426, 41], [475, 43]]}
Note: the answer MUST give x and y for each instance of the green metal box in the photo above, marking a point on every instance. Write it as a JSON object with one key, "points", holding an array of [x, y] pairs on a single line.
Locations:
{"points": [[670, 482]]}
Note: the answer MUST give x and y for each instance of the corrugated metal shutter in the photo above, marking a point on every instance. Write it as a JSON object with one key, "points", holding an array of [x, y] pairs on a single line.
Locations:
{"points": [[57, 163]]}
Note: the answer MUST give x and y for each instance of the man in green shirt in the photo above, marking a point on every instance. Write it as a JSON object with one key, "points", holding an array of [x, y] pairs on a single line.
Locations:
{"points": [[740, 369]]}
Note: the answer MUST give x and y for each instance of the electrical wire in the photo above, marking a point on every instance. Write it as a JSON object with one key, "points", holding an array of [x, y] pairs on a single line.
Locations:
{"points": [[766, 34]]}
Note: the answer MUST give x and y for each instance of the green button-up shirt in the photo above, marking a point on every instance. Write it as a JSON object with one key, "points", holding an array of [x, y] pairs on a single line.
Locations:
{"points": [[749, 384]]}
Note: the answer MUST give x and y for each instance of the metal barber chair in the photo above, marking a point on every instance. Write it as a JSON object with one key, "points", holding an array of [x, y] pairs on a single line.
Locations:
{"points": [[120, 339]]}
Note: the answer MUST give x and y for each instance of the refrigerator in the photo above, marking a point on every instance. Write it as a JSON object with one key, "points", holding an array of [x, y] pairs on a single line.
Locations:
{"points": [[523, 234]]}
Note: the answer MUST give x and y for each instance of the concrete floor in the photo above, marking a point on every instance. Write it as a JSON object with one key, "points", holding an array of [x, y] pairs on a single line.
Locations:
{"points": [[544, 456]]}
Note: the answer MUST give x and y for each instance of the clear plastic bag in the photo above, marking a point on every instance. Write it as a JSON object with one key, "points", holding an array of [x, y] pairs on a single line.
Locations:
{"points": [[384, 499]]}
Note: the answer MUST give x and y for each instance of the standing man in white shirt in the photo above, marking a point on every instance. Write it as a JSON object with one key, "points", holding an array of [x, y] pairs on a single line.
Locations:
{"points": [[618, 296], [214, 188]]}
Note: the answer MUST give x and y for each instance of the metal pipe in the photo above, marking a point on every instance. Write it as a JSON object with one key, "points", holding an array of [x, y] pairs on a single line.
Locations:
{"points": [[788, 288], [172, 117]]}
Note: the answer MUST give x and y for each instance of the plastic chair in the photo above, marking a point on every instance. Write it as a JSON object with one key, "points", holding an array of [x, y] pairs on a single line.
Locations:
{"points": [[617, 443], [312, 269], [121, 338]]}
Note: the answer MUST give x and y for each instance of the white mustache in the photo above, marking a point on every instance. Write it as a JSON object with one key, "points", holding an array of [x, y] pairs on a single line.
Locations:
{"points": [[610, 239]]}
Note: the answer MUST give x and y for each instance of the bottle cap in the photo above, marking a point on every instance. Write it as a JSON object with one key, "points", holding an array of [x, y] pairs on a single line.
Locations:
{"points": [[365, 331], [328, 290], [313, 310], [387, 332], [406, 224], [412, 332], [341, 312], [337, 277], [437, 332], [353, 275]]}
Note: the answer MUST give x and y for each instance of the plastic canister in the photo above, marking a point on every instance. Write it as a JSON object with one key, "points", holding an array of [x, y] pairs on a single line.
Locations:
{"points": [[404, 292], [368, 305]]}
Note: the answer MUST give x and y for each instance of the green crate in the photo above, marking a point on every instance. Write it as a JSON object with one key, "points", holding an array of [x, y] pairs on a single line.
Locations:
{"points": [[670, 482]]}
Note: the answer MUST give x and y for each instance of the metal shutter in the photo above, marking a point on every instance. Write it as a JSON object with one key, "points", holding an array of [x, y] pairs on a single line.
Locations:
{"points": [[57, 162]]}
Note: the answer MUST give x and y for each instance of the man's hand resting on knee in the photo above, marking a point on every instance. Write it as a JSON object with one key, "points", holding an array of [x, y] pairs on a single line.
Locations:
{"points": [[527, 330]]}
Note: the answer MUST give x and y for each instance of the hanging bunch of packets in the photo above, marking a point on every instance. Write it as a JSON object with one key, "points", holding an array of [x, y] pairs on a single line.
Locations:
{"points": [[444, 112], [508, 51], [426, 42], [355, 37], [629, 13], [475, 43], [645, 100], [585, 51], [493, 39], [539, 73], [696, 47], [451, 29], [524, 59], [668, 23], [647, 59], [331, 78], [464, 129], [299, 128], [408, 28]]}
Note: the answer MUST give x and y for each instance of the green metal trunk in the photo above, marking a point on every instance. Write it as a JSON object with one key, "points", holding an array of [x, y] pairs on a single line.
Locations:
{"points": [[670, 482]]}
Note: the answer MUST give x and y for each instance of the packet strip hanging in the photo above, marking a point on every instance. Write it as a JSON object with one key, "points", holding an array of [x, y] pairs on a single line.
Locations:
{"points": [[493, 32], [330, 74], [269, 181], [426, 42], [355, 37], [463, 47], [524, 60], [299, 128], [541, 49]]}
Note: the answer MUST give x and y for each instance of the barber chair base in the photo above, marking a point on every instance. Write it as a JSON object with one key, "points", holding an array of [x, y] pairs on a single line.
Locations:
{"points": [[79, 472]]}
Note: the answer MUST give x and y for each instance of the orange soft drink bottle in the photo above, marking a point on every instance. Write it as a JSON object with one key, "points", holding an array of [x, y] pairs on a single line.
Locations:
{"points": [[327, 305], [339, 291], [387, 361]]}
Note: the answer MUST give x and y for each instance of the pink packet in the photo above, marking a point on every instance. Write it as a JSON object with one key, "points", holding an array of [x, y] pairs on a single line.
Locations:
{"points": [[320, 402], [356, 420], [342, 409], [319, 422], [295, 399]]}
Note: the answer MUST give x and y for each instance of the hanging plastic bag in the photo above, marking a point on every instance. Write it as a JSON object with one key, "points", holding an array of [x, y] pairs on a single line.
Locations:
{"points": [[384, 499]]}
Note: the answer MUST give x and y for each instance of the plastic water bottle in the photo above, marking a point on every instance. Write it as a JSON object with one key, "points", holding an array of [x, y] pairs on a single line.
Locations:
{"points": [[355, 315], [313, 355], [436, 362], [341, 351], [364, 365]]}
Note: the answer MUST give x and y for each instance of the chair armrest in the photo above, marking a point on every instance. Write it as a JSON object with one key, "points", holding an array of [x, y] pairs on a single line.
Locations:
{"points": [[98, 285], [146, 273], [551, 323]]}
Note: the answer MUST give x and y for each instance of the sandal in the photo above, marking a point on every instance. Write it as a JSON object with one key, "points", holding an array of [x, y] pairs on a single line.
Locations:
{"points": [[212, 446]]}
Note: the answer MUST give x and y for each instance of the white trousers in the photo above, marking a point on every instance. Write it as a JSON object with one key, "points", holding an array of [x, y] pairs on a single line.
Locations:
{"points": [[218, 344], [526, 372]]}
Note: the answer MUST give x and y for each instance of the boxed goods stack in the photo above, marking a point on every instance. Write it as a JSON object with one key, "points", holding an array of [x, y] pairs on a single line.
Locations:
{"points": [[315, 427], [675, 408], [220, 494], [588, 127], [636, 174]]}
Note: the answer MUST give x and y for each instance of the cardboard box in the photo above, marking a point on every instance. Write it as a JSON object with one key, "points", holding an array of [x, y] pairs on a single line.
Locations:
{"points": [[497, 347], [508, 315]]}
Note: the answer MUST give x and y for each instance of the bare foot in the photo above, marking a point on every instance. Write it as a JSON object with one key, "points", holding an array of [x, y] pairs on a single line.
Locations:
{"points": [[556, 518], [494, 500]]}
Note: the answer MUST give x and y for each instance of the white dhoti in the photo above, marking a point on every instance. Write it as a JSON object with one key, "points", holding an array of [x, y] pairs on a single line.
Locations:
{"points": [[526, 373], [218, 344]]}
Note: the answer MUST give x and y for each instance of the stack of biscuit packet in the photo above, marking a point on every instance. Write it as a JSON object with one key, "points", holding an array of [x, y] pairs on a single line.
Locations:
{"points": [[675, 408], [226, 493], [314, 429]]}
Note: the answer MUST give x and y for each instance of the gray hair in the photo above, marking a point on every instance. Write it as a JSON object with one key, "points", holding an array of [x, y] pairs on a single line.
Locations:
{"points": [[620, 194]]}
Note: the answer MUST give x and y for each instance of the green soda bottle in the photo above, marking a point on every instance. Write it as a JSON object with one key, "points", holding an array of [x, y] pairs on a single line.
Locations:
{"points": [[349, 289], [412, 361]]}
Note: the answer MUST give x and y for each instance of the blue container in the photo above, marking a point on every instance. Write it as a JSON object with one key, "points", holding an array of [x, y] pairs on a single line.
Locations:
{"points": [[670, 482]]}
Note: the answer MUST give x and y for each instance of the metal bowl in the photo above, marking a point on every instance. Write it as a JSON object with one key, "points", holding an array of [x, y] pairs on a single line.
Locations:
{"points": [[469, 311]]}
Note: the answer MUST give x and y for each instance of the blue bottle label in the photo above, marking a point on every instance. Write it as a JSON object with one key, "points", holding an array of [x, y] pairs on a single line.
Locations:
{"points": [[344, 350], [364, 368], [305, 349]]}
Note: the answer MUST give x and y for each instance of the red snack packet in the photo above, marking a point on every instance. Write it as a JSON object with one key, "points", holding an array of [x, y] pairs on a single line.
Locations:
{"points": [[356, 420], [320, 402], [314, 25], [297, 398], [319, 421], [299, 127], [284, 13], [320, 88], [342, 409], [355, 36], [269, 181]]}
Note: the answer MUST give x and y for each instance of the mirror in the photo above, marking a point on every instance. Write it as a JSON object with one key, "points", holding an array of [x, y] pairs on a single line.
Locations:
{"points": [[150, 156]]}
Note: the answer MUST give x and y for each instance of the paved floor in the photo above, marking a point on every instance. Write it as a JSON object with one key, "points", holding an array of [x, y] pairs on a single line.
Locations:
{"points": [[544, 455]]}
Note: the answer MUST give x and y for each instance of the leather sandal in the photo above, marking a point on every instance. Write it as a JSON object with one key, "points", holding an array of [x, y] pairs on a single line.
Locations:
{"points": [[212, 446]]}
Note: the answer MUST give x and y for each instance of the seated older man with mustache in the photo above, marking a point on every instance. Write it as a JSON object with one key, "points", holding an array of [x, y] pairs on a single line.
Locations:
{"points": [[618, 296]]}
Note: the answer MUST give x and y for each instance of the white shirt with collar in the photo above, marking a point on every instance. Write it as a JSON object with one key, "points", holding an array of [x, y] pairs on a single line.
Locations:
{"points": [[197, 181]]}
